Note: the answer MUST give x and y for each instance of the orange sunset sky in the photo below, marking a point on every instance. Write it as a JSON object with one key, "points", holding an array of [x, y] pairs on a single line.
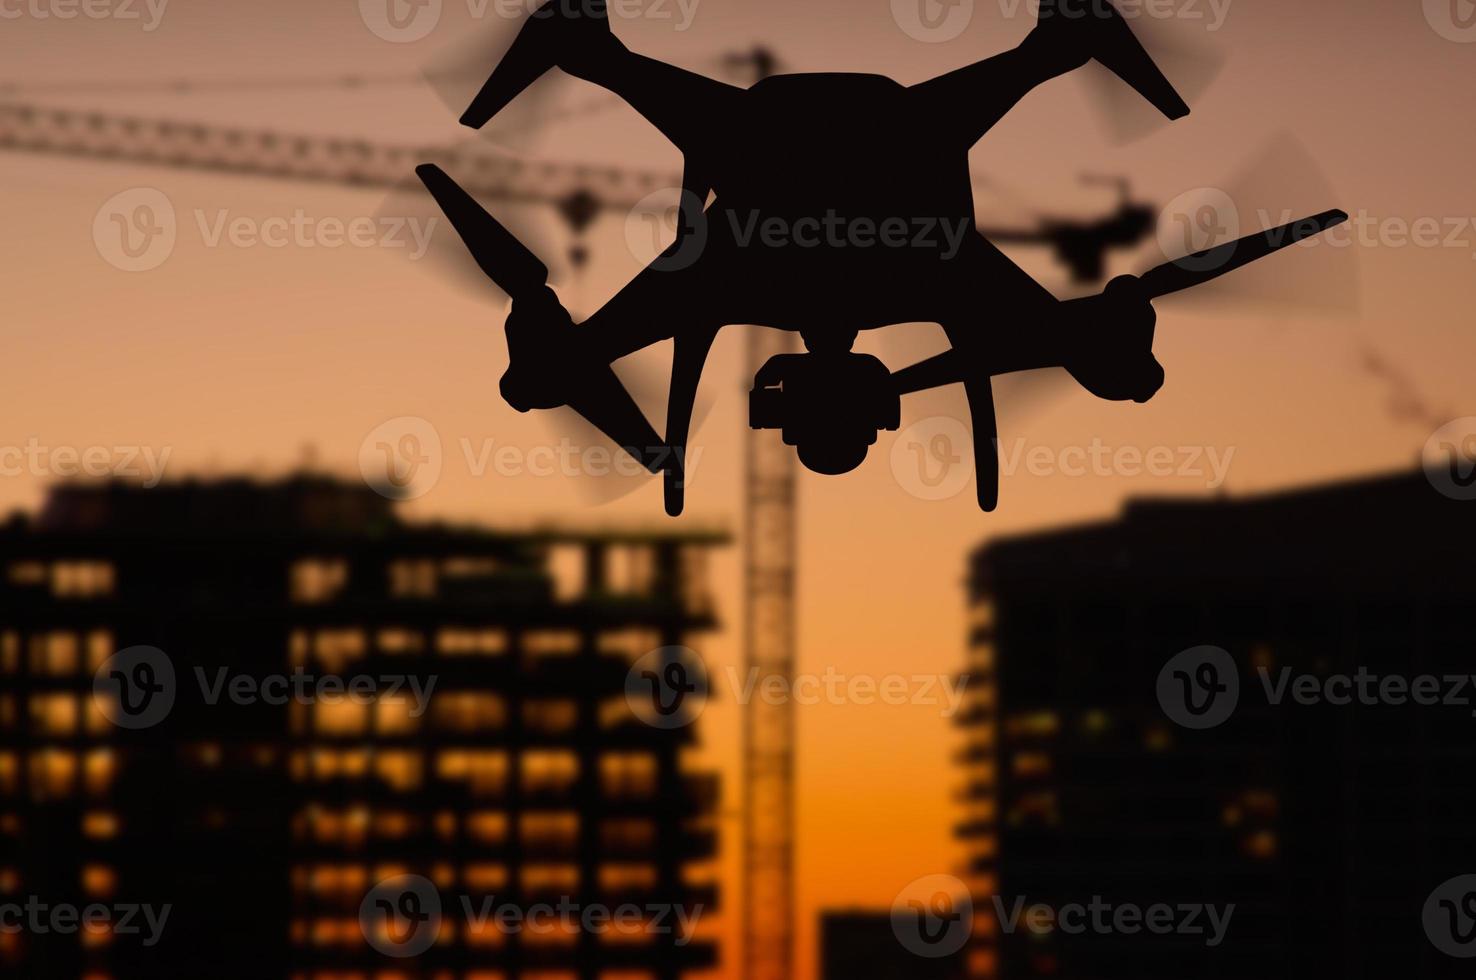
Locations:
{"points": [[235, 357]]}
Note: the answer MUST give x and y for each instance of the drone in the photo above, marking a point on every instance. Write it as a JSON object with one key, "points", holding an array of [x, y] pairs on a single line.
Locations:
{"points": [[1082, 245], [825, 204]]}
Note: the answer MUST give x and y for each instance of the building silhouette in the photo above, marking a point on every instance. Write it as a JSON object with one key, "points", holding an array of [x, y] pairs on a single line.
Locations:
{"points": [[524, 775], [860, 944], [1327, 825]]}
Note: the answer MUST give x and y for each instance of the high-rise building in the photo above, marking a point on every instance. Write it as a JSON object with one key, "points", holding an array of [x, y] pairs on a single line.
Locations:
{"points": [[1328, 825], [861, 944], [482, 737]]}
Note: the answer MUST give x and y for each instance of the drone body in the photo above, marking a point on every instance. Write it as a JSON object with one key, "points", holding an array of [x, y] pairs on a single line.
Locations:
{"points": [[841, 202]]}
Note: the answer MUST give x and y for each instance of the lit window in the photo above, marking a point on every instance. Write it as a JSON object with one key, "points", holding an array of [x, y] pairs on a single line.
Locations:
{"points": [[550, 717], [628, 774], [340, 717], [401, 771], [99, 825], [465, 711], [401, 641], [393, 715], [630, 643], [549, 770], [550, 877], [27, 573], [542, 643], [627, 877], [485, 772], [99, 880], [98, 771], [54, 714], [81, 579], [549, 829], [53, 774], [487, 827], [54, 654], [100, 647], [566, 566], [454, 642], [1039, 723], [630, 569], [484, 877], [1031, 764], [413, 579], [631, 835], [316, 580], [9, 652], [335, 648]]}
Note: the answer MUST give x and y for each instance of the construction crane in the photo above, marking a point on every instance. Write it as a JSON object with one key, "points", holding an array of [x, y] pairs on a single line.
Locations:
{"points": [[769, 568], [577, 192]]}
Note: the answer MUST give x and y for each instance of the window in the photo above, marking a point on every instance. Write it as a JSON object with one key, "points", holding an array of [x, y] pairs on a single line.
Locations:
{"points": [[54, 714], [466, 711], [317, 580], [549, 770], [81, 579], [628, 774], [551, 717]]}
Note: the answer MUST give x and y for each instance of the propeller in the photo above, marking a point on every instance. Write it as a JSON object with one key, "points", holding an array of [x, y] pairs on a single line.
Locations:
{"points": [[457, 71], [1186, 58], [509, 263], [1256, 196], [1186, 272], [446, 257], [1283, 172]]}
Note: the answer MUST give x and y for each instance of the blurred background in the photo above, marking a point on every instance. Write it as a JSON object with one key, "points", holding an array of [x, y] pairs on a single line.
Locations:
{"points": [[235, 337]]}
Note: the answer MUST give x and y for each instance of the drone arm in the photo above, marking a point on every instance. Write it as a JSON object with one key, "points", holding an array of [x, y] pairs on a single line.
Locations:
{"points": [[692, 208], [973, 98], [682, 104]]}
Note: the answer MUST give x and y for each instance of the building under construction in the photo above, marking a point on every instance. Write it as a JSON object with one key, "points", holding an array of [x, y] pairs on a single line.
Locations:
{"points": [[1327, 825], [526, 775]]}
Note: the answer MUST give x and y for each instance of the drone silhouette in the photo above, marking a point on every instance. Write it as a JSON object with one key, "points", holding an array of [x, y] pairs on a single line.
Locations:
{"points": [[840, 203], [1082, 245]]}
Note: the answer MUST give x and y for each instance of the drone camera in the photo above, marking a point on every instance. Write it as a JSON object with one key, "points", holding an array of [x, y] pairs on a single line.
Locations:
{"points": [[830, 407]]}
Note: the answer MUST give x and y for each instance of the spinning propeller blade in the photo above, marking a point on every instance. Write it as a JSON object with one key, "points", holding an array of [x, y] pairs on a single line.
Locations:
{"points": [[504, 259], [456, 74], [1209, 265], [1190, 62], [594, 390], [1171, 277]]}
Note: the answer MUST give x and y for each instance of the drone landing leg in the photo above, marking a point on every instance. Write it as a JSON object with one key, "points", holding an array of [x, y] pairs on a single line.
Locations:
{"points": [[979, 391], [688, 359]]}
